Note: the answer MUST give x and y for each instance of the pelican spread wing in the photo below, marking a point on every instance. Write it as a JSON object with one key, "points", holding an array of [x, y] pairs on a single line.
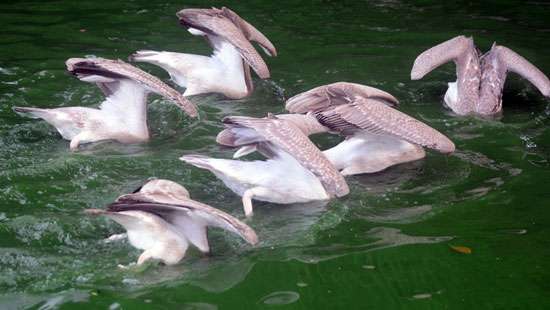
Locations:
{"points": [[171, 202], [517, 64], [250, 32], [480, 79], [106, 74], [286, 136], [221, 23], [121, 116], [458, 49], [335, 94], [463, 95], [162, 219], [348, 108], [376, 117]]}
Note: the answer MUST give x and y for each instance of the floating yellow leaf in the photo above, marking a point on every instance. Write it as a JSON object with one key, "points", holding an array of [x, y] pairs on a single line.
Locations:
{"points": [[461, 249]]}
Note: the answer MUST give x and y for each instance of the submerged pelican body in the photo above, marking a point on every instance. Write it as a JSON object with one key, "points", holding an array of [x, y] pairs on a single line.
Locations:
{"points": [[295, 170], [480, 78], [161, 219], [123, 114], [377, 135], [227, 70]]}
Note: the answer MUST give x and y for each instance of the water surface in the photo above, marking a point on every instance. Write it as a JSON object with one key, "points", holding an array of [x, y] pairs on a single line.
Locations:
{"points": [[386, 245]]}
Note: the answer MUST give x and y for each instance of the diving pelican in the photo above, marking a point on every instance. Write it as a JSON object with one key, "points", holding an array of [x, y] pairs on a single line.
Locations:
{"points": [[227, 70], [161, 219], [123, 114], [480, 78], [295, 172], [377, 136]]}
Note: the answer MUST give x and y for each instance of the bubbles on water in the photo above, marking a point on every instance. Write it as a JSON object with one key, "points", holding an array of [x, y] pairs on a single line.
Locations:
{"points": [[528, 140], [515, 231], [83, 278], [43, 74], [301, 284], [28, 229], [6, 71], [384, 29], [497, 18], [130, 281], [11, 82], [280, 298], [425, 295], [422, 296]]}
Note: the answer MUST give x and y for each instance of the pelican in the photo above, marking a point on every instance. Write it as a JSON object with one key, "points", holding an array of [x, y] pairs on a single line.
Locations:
{"points": [[377, 135], [480, 79], [161, 219], [295, 172], [123, 114], [227, 70]]}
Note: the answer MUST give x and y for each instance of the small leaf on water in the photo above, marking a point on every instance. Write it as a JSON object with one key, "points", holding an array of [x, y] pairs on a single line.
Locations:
{"points": [[461, 249]]}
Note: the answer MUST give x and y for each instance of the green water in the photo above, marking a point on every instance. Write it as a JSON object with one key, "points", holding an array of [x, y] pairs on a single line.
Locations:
{"points": [[387, 245]]}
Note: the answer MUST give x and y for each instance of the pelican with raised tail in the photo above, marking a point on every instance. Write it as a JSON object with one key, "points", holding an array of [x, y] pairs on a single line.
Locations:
{"points": [[295, 171], [161, 219], [227, 70], [122, 116]]}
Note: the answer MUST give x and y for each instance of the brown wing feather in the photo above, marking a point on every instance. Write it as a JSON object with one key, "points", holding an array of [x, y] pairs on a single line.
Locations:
{"points": [[308, 124], [163, 196], [213, 21], [517, 64], [121, 69], [227, 137], [335, 94], [376, 117], [250, 32], [452, 50], [290, 139]]}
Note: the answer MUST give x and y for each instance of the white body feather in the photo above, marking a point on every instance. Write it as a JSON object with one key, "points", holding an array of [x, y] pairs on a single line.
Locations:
{"points": [[451, 95], [283, 178], [122, 117], [222, 72], [148, 232], [369, 153]]}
